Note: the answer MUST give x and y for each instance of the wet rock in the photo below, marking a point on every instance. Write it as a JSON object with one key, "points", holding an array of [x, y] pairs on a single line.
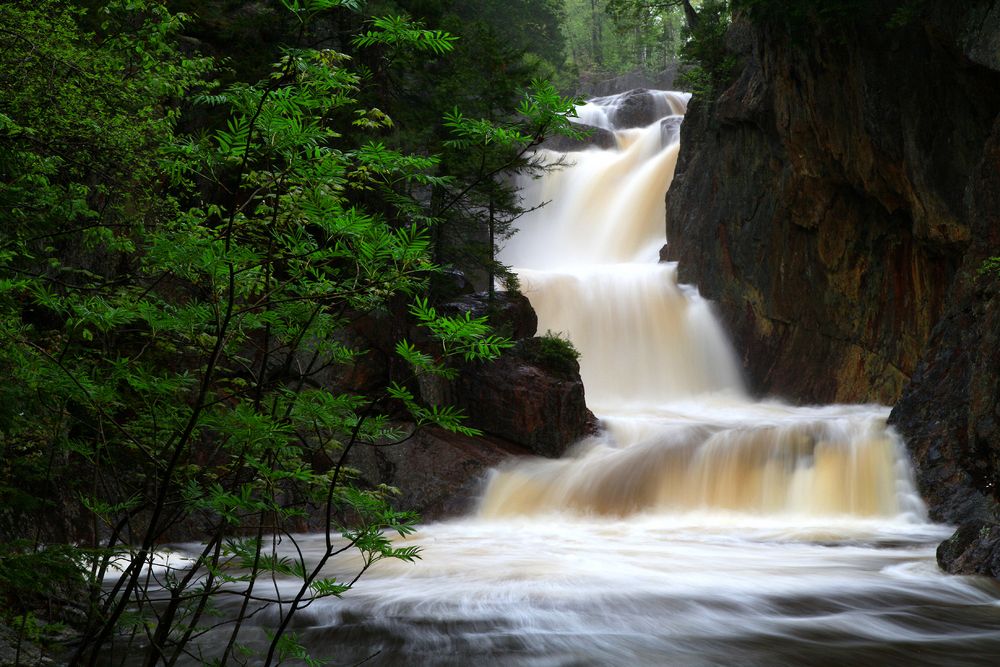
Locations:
{"points": [[637, 108], [597, 137], [439, 474], [525, 399], [973, 549], [524, 406], [450, 284], [949, 414], [526, 403], [510, 313]]}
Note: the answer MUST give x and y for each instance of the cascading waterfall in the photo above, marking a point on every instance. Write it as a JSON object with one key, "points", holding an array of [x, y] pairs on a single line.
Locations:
{"points": [[680, 434], [699, 527]]}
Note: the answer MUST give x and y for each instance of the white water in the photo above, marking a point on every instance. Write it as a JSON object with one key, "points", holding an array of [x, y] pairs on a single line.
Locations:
{"points": [[700, 527]]}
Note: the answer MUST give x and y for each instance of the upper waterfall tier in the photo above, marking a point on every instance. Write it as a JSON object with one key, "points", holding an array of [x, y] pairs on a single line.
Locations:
{"points": [[587, 260], [600, 207], [634, 108]]}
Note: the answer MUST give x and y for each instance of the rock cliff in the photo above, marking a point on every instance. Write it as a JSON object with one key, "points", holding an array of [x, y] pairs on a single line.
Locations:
{"points": [[949, 413], [822, 199]]}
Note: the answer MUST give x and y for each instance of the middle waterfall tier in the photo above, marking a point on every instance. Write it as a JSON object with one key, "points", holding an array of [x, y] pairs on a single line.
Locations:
{"points": [[643, 340]]}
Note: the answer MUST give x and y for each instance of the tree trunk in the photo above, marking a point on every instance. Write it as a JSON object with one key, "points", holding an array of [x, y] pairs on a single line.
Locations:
{"points": [[690, 15]]}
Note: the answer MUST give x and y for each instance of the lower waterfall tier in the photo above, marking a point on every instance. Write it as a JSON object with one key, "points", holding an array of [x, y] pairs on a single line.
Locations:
{"points": [[725, 456]]}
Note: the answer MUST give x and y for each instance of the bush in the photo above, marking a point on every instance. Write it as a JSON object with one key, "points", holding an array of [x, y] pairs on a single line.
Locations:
{"points": [[552, 351]]}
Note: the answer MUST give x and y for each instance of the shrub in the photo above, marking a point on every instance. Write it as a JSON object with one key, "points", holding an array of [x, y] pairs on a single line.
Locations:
{"points": [[553, 351]]}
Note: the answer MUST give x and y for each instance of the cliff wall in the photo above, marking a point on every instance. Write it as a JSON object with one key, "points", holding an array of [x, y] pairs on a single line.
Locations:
{"points": [[837, 201], [823, 200]]}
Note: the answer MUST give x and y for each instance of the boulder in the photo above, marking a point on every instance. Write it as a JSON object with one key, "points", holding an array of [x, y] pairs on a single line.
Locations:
{"points": [[637, 108], [597, 138], [973, 549], [439, 474], [527, 402], [510, 313], [526, 399]]}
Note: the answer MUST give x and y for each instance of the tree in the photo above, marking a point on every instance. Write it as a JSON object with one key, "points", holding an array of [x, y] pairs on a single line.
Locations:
{"points": [[620, 9], [483, 88], [638, 35], [168, 304], [494, 151], [713, 65]]}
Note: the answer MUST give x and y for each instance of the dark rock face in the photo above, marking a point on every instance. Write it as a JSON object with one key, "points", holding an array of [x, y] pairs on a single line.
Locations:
{"points": [[510, 314], [524, 406], [973, 549], [637, 108], [821, 201], [524, 401], [438, 474], [838, 201], [949, 414]]}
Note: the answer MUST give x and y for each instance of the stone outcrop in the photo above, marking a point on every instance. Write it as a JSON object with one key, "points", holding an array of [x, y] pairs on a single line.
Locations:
{"points": [[439, 474], [637, 108], [973, 549], [510, 314], [949, 413], [523, 399], [597, 137], [525, 403], [821, 200]]}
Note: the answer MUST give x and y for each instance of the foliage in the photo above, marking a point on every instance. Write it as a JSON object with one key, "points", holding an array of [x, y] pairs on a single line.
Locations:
{"points": [[795, 16], [553, 351], [400, 32], [990, 265], [490, 151], [612, 37], [793, 12], [713, 66], [171, 303]]}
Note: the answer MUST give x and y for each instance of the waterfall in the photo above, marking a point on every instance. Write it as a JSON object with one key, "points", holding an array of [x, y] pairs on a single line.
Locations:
{"points": [[680, 434]]}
